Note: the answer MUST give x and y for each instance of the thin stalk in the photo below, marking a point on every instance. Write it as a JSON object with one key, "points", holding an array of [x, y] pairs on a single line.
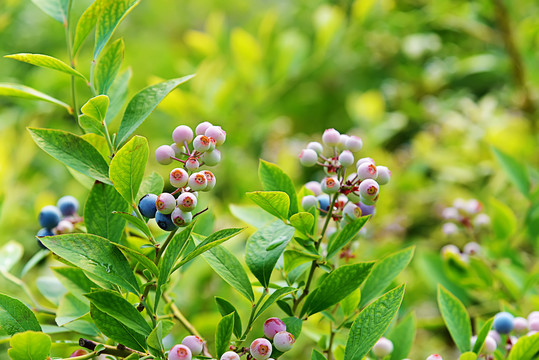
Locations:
{"points": [[82, 357], [109, 142], [329, 351], [164, 246], [251, 317], [119, 350], [91, 84]]}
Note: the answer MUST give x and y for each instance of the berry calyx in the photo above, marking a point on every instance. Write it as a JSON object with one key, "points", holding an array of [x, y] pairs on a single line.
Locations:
{"points": [[180, 352], [197, 181], [187, 201], [261, 349], [178, 178]]}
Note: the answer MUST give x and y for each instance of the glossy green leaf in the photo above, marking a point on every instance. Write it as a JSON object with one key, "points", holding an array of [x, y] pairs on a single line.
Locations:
{"points": [[85, 24], [259, 259], [526, 348], [75, 281], [142, 105], [303, 222], [276, 203], [114, 11], [275, 179], [151, 184], [317, 355], [482, 335], [118, 95], [515, 170], [344, 236], [108, 66], [73, 151], [34, 260], [141, 258], [96, 255], [224, 334], [25, 92], [350, 303], [504, 222], [383, 273], [225, 308], [402, 337], [252, 215], [155, 339], [127, 168], [117, 330], [336, 286], [456, 319], [71, 308], [46, 61], [468, 356], [30, 345], [91, 125], [114, 305], [57, 9], [133, 220], [276, 295], [295, 258], [102, 201], [10, 254], [15, 317], [372, 323], [293, 325], [96, 107]]}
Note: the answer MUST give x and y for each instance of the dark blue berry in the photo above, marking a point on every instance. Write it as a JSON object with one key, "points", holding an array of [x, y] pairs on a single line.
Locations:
{"points": [[146, 205], [49, 216], [324, 201], [503, 322], [68, 205], [43, 232], [164, 221], [367, 209]]}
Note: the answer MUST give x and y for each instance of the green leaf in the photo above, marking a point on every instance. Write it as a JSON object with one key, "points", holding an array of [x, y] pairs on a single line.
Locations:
{"points": [[46, 61], [73, 151], [91, 125], [383, 273], [151, 184], [295, 258], [117, 330], [155, 339], [346, 235], [57, 9], [372, 323], [456, 319], [118, 95], [141, 258], [85, 24], [142, 105], [71, 308], [102, 201], [504, 222], [30, 345], [10, 254], [259, 259], [402, 337], [276, 203], [252, 215], [15, 317], [108, 66], [468, 356], [275, 179], [139, 224], [127, 168], [516, 171], [96, 255], [114, 11], [96, 108], [224, 334], [293, 325], [276, 295], [113, 304], [25, 92], [336, 286], [217, 238], [526, 348], [317, 355], [227, 266], [303, 222], [75, 281], [34, 260], [350, 303], [225, 308], [482, 335]]}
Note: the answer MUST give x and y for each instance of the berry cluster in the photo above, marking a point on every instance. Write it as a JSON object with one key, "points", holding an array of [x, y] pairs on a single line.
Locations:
{"points": [[190, 345], [169, 212], [464, 215], [354, 195], [470, 249], [59, 219]]}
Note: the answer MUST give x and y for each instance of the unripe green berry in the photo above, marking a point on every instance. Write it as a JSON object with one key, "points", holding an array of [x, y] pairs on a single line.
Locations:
{"points": [[211, 158]]}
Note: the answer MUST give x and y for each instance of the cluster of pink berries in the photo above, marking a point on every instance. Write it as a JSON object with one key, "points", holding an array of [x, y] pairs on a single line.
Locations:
{"points": [[470, 249], [464, 214], [358, 191], [189, 178], [190, 346]]}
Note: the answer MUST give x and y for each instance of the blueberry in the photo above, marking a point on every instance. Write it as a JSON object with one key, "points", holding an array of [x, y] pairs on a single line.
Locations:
{"points": [[324, 201], [309, 202], [308, 157], [43, 232], [503, 322], [49, 216], [146, 205], [366, 209], [163, 154], [181, 134], [331, 137], [164, 221], [194, 343], [68, 205]]}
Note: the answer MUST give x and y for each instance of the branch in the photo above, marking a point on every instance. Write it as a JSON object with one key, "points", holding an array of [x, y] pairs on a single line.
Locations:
{"points": [[119, 350]]}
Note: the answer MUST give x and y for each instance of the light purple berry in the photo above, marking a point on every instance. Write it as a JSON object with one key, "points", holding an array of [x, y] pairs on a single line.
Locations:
{"points": [[364, 160], [481, 220], [472, 248], [450, 229], [451, 213], [533, 315], [315, 187], [473, 206], [194, 343], [366, 209], [308, 202], [354, 143], [308, 157], [178, 150], [367, 171], [330, 185], [260, 349], [283, 341], [211, 158], [202, 127], [181, 218], [187, 201], [165, 203], [316, 146], [230, 355], [64, 227], [383, 347], [368, 201], [210, 180], [346, 158], [434, 357], [163, 154], [180, 352], [192, 164], [534, 324], [197, 181], [490, 345], [384, 175], [218, 134], [331, 137], [520, 324], [342, 141], [351, 211], [201, 143], [181, 134], [272, 326], [494, 334], [369, 188], [178, 178]]}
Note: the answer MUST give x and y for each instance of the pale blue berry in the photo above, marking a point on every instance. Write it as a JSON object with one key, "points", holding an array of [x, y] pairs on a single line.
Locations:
{"points": [[68, 205], [324, 201], [503, 322], [308, 202], [49, 216]]}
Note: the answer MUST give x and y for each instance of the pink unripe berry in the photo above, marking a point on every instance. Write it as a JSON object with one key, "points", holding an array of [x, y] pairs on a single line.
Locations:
{"points": [[260, 349], [520, 324], [201, 143], [472, 248], [330, 185], [533, 315], [450, 229], [165, 203], [384, 175], [315, 187], [308, 157], [481, 220], [202, 127], [218, 134], [194, 343], [197, 181], [354, 143], [331, 137], [64, 227], [308, 202], [367, 171], [316, 146], [342, 141], [181, 134], [192, 164], [490, 345], [364, 160], [533, 324], [369, 188], [351, 211], [211, 158], [494, 334], [163, 154], [451, 213], [283, 341], [210, 180], [181, 218], [346, 158], [272, 326], [383, 347], [180, 352], [178, 178], [187, 201], [178, 150], [434, 357], [473, 206], [230, 355]]}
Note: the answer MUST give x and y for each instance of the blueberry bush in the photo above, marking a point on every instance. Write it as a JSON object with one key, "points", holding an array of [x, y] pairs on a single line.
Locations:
{"points": [[316, 180]]}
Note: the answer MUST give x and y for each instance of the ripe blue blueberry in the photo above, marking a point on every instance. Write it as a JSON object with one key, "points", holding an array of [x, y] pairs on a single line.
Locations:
{"points": [[49, 216], [324, 201], [68, 205], [503, 322], [146, 205], [44, 232], [164, 221]]}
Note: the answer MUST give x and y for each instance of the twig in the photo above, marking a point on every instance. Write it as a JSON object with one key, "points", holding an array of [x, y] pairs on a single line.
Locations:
{"points": [[118, 350]]}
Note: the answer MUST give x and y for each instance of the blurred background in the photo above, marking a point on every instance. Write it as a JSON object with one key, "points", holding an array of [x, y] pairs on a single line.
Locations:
{"points": [[430, 87]]}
